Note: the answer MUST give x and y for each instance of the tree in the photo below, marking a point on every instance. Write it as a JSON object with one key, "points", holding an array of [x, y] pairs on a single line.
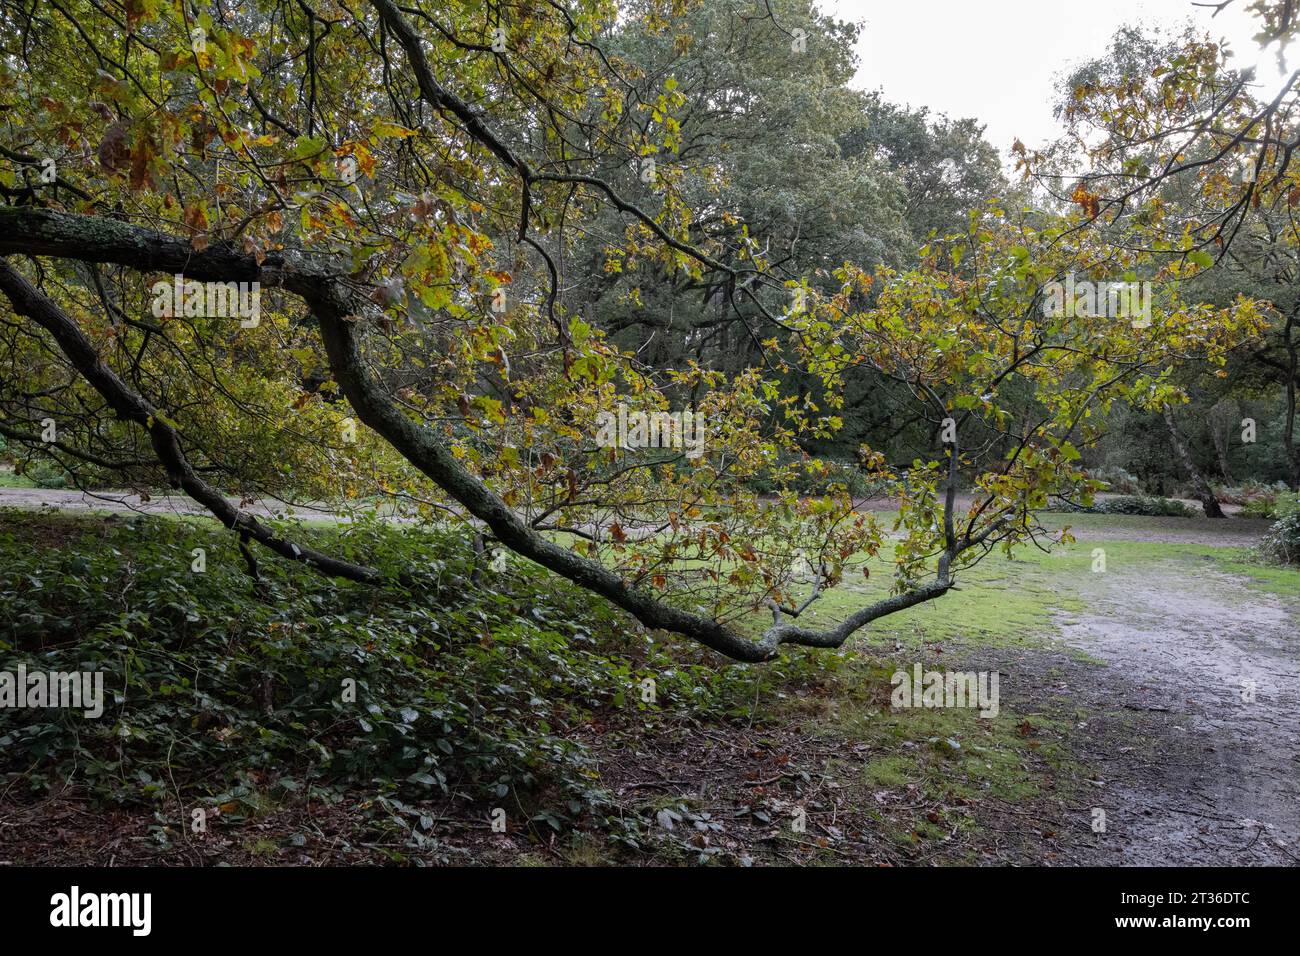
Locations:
{"points": [[947, 167], [1200, 487], [405, 184], [1171, 148]]}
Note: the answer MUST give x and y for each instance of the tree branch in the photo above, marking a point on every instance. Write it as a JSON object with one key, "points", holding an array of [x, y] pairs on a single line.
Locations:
{"points": [[129, 405], [337, 307]]}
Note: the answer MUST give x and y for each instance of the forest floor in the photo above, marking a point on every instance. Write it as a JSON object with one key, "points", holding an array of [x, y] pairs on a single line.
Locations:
{"points": [[1162, 692]]}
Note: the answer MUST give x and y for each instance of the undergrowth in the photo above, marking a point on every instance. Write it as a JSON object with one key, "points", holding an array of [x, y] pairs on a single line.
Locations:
{"points": [[223, 689]]}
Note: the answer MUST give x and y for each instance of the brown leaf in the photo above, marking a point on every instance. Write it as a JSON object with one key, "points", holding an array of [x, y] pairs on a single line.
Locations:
{"points": [[140, 156], [196, 217], [114, 150], [1090, 202]]}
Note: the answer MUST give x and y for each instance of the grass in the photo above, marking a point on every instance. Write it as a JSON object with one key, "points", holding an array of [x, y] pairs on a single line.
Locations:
{"points": [[8, 479], [1014, 758], [989, 761], [1015, 602]]}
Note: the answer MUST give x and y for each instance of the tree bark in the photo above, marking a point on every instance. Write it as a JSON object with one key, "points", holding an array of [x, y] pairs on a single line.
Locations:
{"points": [[1223, 419], [1200, 487], [1288, 431]]}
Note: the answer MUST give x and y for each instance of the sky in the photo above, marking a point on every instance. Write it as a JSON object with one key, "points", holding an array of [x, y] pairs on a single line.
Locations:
{"points": [[998, 60]]}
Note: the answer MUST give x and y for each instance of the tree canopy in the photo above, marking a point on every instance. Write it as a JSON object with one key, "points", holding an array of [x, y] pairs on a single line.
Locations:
{"points": [[479, 230]]}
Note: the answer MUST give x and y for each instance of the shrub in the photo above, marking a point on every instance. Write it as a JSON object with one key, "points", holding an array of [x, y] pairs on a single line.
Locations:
{"points": [[1145, 505], [813, 479], [44, 473], [1258, 508], [1248, 491], [1275, 505], [1117, 479], [1282, 542]]}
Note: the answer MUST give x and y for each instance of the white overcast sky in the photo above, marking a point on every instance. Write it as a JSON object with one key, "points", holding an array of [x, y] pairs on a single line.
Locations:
{"points": [[997, 60]]}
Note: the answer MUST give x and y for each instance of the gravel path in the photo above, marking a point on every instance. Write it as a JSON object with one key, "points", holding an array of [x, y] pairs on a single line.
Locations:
{"points": [[1208, 667], [61, 499]]}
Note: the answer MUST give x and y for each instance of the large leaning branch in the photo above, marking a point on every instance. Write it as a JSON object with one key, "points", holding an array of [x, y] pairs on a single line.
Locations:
{"points": [[338, 309], [80, 351]]}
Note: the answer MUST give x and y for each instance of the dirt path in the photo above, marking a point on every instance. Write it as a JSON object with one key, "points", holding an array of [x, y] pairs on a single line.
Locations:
{"points": [[1206, 767], [1215, 532], [126, 502]]}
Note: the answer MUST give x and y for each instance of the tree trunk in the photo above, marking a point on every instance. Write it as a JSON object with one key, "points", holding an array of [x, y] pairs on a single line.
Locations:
{"points": [[1200, 487], [1221, 449], [1288, 433], [1223, 420]]}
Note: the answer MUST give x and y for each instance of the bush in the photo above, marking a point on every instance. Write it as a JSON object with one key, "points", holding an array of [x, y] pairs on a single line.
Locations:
{"points": [[1117, 479], [1273, 505], [1248, 491], [1146, 505], [816, 476], [1282, 542], [1258, 508], [44, 473]]}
